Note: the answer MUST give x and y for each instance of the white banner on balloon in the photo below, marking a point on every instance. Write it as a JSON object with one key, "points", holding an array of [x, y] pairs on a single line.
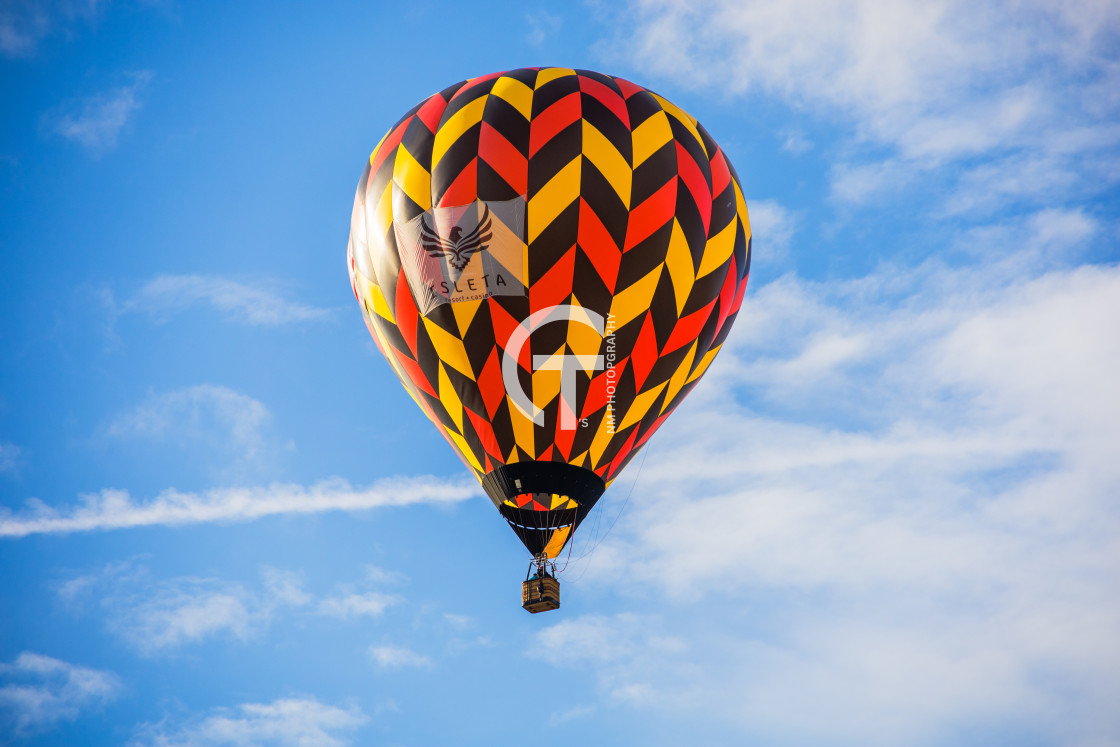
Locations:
{"points": [[464, 253]]}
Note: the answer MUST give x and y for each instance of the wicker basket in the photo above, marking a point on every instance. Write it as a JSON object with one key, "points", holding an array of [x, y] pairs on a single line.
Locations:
{"points": [[540, 594]]}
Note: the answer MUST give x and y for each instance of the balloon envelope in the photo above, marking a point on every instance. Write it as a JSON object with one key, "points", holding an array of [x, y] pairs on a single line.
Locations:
{"points": [[549, 259]]}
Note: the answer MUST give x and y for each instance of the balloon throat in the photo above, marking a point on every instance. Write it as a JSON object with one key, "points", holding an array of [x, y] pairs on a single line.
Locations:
{"points": [[545, 567]]}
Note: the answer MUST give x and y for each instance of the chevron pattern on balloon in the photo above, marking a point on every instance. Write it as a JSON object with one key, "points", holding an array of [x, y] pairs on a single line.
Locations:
{"points": [[632, 213]]}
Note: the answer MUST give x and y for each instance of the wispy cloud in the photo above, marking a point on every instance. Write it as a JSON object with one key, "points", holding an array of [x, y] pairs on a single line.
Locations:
{"points": [[159, 616], [294, 722], [773, 226], [364, 599], [366, 604], [11, 457], [1029, 178], [377, 575], [156, 616], [285, 587], [542, 25], [395, 657], [795, 142], [558, 718], [253, 304], [38, 691], [25, 23], [96, 122], [116, 509], [205, 418], [856, 184], [191, 612], [459, 622], [609, 645], [596, 638]]}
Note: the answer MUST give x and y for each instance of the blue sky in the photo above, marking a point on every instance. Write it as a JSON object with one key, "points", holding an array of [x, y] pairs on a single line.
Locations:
{"points": [[224, 522]]}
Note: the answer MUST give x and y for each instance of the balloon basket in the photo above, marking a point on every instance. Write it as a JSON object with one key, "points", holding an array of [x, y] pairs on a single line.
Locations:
{"points": [[540, 594]]}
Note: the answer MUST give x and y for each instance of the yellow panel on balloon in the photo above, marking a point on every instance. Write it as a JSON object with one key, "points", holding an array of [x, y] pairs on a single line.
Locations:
{"points": [[640, 406], [523, 429], [449, 348], [455, 127], [609, 161], [560, 192], [678, 261], [515, 93], [718, 249], [450, 398], [465, 452], [556, 541], [650, 136], [549, 74], [413, 179], [636, 299]]}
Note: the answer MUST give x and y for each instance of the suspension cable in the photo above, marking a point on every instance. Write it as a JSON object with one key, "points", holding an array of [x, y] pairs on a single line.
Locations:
{"points": [[599, 540]]}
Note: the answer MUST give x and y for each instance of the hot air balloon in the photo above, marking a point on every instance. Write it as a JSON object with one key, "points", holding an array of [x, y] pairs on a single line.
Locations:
{"points": [[549, 259]]}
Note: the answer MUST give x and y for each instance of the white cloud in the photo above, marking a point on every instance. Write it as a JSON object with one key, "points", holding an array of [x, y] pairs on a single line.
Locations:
{"points": [[1029, 245], [542, 25], [367, 604], [378, 575], [215, 417], [298, 722], [359, 600], [900, 493], [116, 509], [285, 587], [629, 652], [249, 304], [1055, 229], [937, 82], [859, 183], [600, 639], [394, 657], [156, 616], [898, 67], [96, 122], [38, 691], [457, 621], [11, 457], [795, 142], [1032, 178], [187, 613], [772, 229], [576, 712]]}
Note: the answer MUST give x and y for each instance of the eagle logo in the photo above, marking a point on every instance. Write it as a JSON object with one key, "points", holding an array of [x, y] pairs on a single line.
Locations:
{"points": [[456, 247]]}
